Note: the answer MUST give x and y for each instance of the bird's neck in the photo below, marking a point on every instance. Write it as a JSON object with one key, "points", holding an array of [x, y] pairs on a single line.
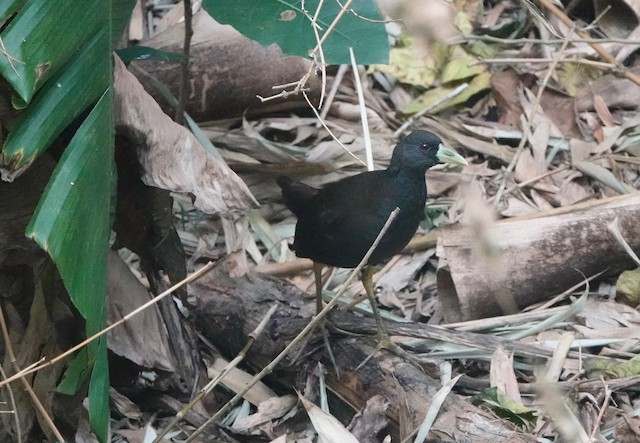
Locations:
{"points": [[409, 184], [406, 175]]}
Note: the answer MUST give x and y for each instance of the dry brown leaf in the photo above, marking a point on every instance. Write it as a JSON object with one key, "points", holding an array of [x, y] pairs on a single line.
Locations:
{"points": [[617, 18], [615, 91], [540, 201], [526, 167], [502, 375], [403, 272], [580, 149], [562, 111], [440, 181], [504, 84], [603, 111], [571, 192], [124, 406], [537, 116], [171, 156], [604, 315], [30, 346], [143, 338], [501, 152], [628, 431], [516, 208], [479, 170]]}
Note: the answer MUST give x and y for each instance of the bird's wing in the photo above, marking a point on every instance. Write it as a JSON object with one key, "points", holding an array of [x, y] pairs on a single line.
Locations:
{"points": [[347, 201], [297, 196]]}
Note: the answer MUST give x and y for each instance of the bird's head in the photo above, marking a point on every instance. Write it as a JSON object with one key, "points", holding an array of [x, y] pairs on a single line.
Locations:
{"points": [[421, 150]]}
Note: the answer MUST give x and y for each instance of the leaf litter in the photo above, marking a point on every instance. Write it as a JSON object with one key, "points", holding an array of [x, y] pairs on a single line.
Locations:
{"points": [[580, 144]]}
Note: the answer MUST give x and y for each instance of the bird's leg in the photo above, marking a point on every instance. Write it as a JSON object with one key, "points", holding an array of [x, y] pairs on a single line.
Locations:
{"points": [[317, 273], [384, 341], [367, 281]]}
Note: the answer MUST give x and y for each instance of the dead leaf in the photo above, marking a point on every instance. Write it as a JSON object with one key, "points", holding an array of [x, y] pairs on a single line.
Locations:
{"points": [[502, 375], [326, 425], [503, 85], [603, 111], [143, 338], [367, 424], [171, 156]]}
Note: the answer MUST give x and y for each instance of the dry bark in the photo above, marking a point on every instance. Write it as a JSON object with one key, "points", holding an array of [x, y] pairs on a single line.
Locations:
{"points": [[229, 309], [223, 60]]}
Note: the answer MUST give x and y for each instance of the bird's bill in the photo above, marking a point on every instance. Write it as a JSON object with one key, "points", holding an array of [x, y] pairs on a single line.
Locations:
{"points": [[448, 155]]}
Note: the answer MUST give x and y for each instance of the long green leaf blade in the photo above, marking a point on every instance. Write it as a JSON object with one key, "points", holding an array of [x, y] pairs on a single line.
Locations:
{"points": [[71, 223], [32, 56], [60, 102]]}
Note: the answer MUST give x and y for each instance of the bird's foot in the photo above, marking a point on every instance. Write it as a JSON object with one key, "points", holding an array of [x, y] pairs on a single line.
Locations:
{"points": [[384, 342]]}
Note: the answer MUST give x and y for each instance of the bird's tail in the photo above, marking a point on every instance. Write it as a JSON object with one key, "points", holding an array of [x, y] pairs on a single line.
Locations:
{"points": [[297, 196]]}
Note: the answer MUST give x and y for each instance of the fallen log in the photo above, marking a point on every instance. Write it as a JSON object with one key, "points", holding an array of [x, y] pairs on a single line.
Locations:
{"points": [[227, 71], [229, 309], [521, 261]]}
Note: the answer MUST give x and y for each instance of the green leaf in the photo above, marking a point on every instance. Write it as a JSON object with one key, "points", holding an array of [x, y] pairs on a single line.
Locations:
{"points": [[33, 56], [288, 26], [574, 77], [98, 386], [58, 60], [9, 7], [71, 223], [120, 15], [597, 367], [461, 65], [628, 288], [479, 83], [504, 406], [59, 102], [76, 374]]}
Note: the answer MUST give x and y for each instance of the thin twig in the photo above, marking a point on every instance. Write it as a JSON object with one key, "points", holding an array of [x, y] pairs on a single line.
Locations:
{"points": [[199, 273], [216, 380], [333, 24], [542, 41], [184, 74], [337, 80], [422, 112], [14, 407], [27, 387], [596, 46], [603, 408], [528, 124], [314, 322], [521, 185], [324, 125], [363, 110], [300, 84], [323, 65], [10, 58], [566, 293], [614, 229], [513, 60]]}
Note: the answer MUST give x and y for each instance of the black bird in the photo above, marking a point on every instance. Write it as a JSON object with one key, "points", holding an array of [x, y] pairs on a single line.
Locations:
{"points": [[338, 223]]}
